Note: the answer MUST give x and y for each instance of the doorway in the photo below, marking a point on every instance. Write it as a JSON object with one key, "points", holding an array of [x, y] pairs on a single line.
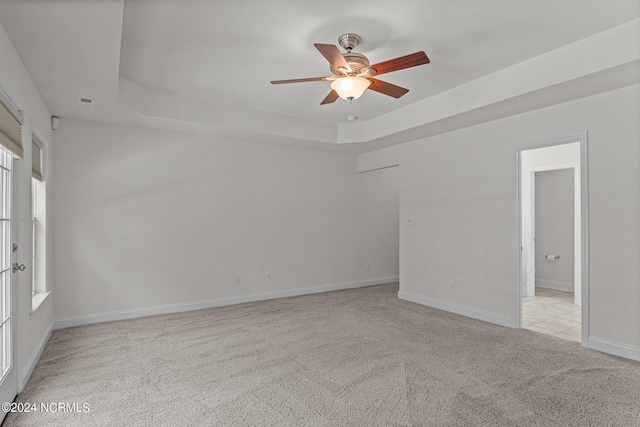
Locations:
{"points": [[556, 293]]}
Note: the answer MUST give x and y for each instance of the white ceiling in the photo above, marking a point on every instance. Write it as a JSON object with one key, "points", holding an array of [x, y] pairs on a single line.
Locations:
{"points": [[205, 66]]}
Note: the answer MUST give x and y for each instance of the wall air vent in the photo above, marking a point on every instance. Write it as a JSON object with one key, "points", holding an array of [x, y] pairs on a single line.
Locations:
{"points": [[86, 102]]}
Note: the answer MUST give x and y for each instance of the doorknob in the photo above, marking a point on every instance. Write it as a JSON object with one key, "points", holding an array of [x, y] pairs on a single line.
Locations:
{"points": [[17, 267]]}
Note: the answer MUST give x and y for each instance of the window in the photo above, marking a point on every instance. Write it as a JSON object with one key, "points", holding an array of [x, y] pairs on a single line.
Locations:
{"points": [[34, 209], [38, 264]]}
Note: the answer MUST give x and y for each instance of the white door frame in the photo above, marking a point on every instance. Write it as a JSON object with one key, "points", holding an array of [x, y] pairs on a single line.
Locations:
{"points": [[518, 278], [529, 228], [17, 279]]}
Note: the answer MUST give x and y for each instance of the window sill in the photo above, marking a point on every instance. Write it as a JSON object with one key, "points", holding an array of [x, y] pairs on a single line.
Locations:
{"points": [[38, 299]]}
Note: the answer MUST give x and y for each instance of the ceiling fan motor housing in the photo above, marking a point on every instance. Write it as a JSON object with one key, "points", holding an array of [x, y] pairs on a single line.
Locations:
{"points": [[356, 61]]}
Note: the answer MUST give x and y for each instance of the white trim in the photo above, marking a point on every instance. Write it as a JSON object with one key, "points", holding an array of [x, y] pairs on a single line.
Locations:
{"points": [[37, 299], [35, 357], [529, 224], [584, 225], [474, 313], [554, 167], [87, 319], [554, 284], [16, 280], [615, 348]]}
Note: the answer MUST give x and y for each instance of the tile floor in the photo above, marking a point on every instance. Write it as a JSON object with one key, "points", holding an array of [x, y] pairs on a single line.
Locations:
{"points": [[552, 312]]}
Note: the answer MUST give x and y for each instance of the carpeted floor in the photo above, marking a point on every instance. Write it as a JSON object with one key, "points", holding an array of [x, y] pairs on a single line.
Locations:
{"points": [[349, 358]]}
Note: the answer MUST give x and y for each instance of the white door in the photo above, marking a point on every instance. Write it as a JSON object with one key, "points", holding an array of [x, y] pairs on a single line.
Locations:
{"points": [[8, 380]]}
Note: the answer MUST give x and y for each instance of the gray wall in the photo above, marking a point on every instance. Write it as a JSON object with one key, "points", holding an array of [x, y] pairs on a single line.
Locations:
{"points": [[34, 326], [554, 220], [145, 218], [459, 188]]}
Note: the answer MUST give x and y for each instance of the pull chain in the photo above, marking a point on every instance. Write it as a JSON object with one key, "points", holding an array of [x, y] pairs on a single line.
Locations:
{"points": [[350, 117]]}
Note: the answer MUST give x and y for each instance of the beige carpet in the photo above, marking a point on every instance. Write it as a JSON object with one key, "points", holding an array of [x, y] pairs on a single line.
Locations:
{"points": [[350, 358]]}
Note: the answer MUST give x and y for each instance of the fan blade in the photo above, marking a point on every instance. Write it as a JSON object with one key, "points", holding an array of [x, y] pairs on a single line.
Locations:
{"points": [[407, 61], [333, 55], [333, 95], [310, 79], [387, 88]]}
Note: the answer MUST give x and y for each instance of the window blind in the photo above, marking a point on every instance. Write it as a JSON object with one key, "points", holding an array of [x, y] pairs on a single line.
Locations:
{"points": [[10, 128], [36, 157]]}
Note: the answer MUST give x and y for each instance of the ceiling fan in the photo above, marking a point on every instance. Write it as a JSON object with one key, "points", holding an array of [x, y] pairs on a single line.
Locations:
{"points": [[352, 74]]}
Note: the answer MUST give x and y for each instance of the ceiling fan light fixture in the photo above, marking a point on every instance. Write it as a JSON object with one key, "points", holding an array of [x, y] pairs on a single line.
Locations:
{"points": [[352, 74], [350, 88]]}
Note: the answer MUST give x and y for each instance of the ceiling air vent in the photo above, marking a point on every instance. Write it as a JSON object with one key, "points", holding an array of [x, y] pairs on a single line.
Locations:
{"points": [[86, 102]]}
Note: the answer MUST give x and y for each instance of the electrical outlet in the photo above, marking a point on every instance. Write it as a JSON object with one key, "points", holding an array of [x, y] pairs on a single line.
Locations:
{"points": [[267, 276], [452, 286], [236, 279], [367, 267]]}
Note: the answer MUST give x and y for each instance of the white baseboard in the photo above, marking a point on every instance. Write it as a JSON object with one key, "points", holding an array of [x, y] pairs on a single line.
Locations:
{"points": [[87, 319], [553, 284], [35, 357], [474, 313], [615, 348]]}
